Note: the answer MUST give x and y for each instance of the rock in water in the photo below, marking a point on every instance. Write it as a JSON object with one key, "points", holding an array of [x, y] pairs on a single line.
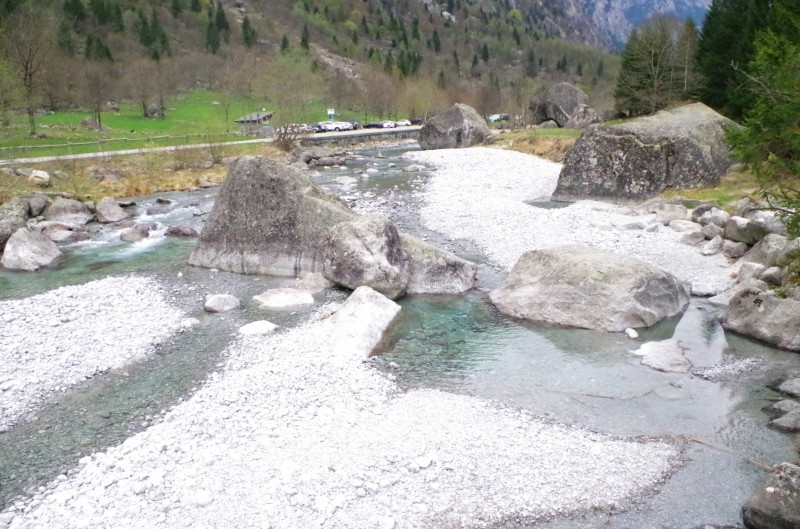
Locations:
{"points": [[220, 302], [269, 218], [585, 287], [69, 212], [461, 126], [367, 251], [764, 316], [776, 504], [107, 210], [283, 298], [360, 323], [666, 355], [565, 104], [638, 159], [13, 215], [29, 250]]}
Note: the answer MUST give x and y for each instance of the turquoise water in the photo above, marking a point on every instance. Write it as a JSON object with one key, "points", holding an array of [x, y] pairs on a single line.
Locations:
{"points": [[460, 344]]}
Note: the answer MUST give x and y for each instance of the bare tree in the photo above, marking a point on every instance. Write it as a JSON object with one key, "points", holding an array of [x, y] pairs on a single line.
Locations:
{"points": [[29, 38], [99, 87], [381, 94], [10, 92]]}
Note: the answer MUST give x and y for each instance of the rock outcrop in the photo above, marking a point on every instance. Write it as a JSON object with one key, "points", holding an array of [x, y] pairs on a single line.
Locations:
{"points": [[69, 212], [107, 210], [461, 126], [29, 250], [565, 104], [638, 159], [269, 218], [13, 215], [776, 504], [765, 316], [584, 287]]}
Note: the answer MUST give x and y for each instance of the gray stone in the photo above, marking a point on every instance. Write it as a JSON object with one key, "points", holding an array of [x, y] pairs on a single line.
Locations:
{"points": [[681, 148], [768, 251], [749, 271], [269, 218], [790, 422], [133, 234], [776, 503], [181, 231], [313, 282], [29, 250], [549, 124], [107, 210], [68, 211], [367, 251], [711, 231], [733, 250], [744, 230], [666, 356], [722, 300], [13, 216], [766, 317], [39, 178], [461, 126], [666, 212], [693, 238], [772, 275], [769, 219], [255, 328], [714, 246], [700, 210], [565, 104], [37, 203], [282, 298], [220, 303], [63, 234], [790, 387], [782, 407], [585, 287], [435, 271], [686, 226], [714, 216]]}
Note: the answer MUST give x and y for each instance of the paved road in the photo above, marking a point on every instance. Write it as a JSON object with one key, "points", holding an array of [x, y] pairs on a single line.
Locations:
{"points": [[328, 135]]}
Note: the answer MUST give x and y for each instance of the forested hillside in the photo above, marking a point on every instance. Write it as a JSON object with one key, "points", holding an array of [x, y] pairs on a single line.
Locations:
{"points": [[407, 57]]}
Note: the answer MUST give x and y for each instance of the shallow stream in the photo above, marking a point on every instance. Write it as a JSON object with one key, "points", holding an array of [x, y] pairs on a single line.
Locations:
{"points": [[459, 344]]}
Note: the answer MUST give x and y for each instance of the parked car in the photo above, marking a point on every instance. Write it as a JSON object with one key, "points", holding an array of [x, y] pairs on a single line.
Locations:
{"points": [[403, 123], [356, 125], [317, 127], [416, 121], [388, 124], [373, 125]]}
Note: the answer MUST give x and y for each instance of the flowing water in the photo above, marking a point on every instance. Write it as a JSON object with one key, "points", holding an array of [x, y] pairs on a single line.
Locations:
{"points": [[460, 344]]}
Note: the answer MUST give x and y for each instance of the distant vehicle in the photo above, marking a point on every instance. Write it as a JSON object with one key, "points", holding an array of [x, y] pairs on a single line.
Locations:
{"points": [[388, 124], [416, 121], [317, 127], [403, 123], [336, 126], [373, 125], [356, 125], [497, 117]]}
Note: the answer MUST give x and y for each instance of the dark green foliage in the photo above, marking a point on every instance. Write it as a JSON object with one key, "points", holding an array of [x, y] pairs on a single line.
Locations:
{"points": [[441, 80], [100, 11], [249, 36], [284, 44], [726, 41], [530, 66], [221, 21], [388, 64], [485, 53], [75, 10], [456, 62], [64, 39], [8, 6], [437, 43], [305, 38], [212, 36], [176, 8], [117, 22], [196, 6], [96, 49], [769, 146]]}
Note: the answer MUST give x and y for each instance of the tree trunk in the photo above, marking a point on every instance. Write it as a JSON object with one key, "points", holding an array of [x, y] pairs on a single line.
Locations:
{"points": [[31, 121]]}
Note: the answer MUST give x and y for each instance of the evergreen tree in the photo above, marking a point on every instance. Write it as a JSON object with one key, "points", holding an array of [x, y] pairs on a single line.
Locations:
{"points": [[441, 80], [221, 21], [117, 22], [64, 38], [415, 29], [96, 49], [388, 64], [100, 11], [437, 44], [176, 8], [305, 38], [456, 62], [284, 44], [196, 6], [485, 53], [725, 46], [75, 10], [530, 66], [212, 37], [249, 36], [145, 35]]}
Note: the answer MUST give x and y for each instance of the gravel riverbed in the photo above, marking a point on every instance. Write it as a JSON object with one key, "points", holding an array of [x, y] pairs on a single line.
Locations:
{"points": [[295, 432]]}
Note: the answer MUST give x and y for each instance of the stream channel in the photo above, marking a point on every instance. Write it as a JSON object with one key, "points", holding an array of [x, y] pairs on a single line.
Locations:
{"points": [[459, 344]]}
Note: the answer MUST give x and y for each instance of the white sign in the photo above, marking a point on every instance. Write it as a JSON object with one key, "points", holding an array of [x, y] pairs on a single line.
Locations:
{"points": [[330, 112]]}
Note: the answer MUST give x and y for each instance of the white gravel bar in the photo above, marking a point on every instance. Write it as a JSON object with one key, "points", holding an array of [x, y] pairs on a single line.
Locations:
{"points": [[53, 341], [299, 432], [479, 194]]}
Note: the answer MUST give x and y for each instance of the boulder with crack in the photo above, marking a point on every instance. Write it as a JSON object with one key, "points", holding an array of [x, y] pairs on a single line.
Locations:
{"points": [[765, 316], [460, 126], [577, 286], [638, 159]]}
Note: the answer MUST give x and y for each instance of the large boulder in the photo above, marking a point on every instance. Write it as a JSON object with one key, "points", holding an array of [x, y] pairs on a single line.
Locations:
{"points": [[461, 126], [269, 218], [766, 317], [69, 212], [768, 251], [13, 216], [29, 250], [565, 104], [107, 210], [367, 251], [435, 271], [638, 159], [776, 504], [585, 287]]}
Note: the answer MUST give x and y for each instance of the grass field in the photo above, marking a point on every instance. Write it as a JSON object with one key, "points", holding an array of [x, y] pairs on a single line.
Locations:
{"points": [[197, 117]]}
